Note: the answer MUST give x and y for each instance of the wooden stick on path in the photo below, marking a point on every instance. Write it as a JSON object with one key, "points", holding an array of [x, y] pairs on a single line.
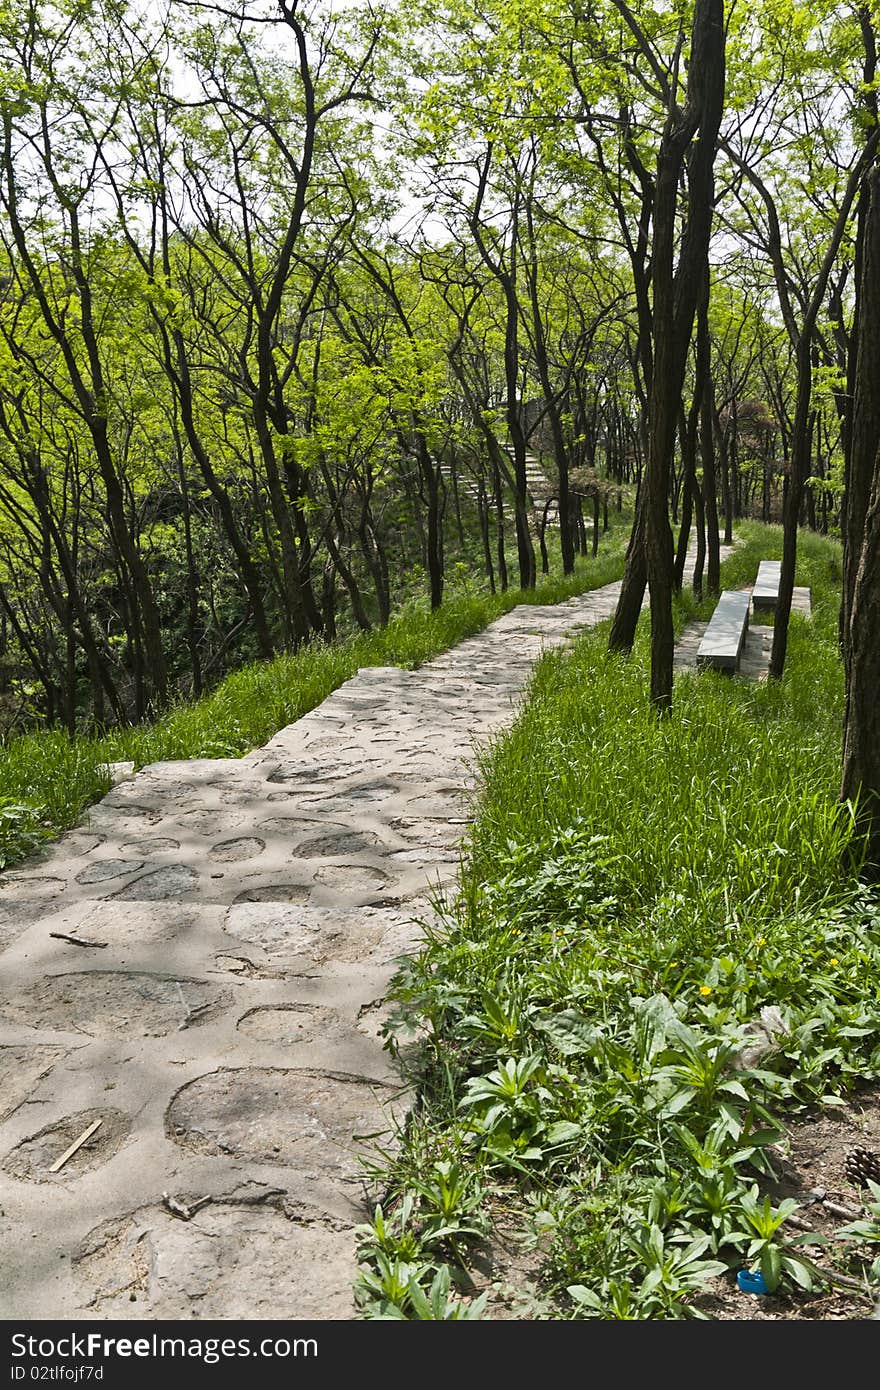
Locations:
{"points": [[78, 940], [77, 1144]]}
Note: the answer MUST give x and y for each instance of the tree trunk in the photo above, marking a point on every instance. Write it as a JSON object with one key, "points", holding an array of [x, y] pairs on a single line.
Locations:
{"points": [[675, 293], [799, 467], [861, 605], [632, 589], [707, 446], [864, 431], [687, 448], [483, 512]]}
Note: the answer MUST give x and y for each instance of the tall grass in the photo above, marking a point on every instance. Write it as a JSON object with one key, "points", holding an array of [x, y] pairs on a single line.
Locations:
{"points": [[634, 893], [49, 778], [729, 802]]}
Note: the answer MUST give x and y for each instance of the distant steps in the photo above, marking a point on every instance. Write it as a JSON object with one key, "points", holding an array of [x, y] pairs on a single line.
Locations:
{"points": [[537, 483]]}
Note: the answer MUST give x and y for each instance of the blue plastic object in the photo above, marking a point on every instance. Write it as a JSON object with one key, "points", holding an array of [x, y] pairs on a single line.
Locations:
{"points": [[751, 1281]]}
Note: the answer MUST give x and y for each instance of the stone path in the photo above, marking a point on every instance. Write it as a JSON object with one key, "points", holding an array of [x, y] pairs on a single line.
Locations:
{"points": [[201, 967]]}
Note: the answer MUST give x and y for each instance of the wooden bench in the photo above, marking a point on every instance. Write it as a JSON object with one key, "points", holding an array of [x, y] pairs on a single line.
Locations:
{"points": [[723, 639], [766, 591]]}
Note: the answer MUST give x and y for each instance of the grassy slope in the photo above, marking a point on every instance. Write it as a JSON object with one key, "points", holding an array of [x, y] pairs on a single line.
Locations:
{"points": [[47, 779], [634, 894]]}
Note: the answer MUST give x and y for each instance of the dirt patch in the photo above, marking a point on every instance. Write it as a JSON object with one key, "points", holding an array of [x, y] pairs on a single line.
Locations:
{"points": [[24, 887], [812, 1171], [507, 1266], [32, 1159], [20, 1070]]}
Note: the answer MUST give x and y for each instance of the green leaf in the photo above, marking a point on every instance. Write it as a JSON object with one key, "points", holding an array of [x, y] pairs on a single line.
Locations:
{"points": [[798, 1271], [570, 1032], [771, 1266], [564, 1132], [587, 1298]]}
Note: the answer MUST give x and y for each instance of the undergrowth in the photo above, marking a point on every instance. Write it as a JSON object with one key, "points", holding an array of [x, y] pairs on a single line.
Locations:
{"points": [[655, 955], [47, 778]]}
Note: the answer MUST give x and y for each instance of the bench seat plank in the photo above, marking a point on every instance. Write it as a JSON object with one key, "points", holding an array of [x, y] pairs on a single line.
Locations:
{"points": [[723, 639], [766, 591]]}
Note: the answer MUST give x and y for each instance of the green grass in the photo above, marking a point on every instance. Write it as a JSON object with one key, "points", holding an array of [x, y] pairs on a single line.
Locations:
{"points": [[634, 893], [47, 778]]}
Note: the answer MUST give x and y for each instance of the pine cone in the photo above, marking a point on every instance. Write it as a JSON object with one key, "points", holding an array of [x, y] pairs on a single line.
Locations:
{"points": [[862, 1166]]}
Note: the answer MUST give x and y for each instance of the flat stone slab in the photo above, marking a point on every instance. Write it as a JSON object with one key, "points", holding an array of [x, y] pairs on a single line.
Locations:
{"points": [[233, 1261], [115, 1003], [766, 591], [305, 1119], [292, 1025], [160, 885], [289, 931], [754, 662], [724, 637]]}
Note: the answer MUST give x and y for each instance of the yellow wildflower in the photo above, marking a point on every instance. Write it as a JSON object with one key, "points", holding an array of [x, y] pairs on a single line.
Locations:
{"points": [[705, 989]]}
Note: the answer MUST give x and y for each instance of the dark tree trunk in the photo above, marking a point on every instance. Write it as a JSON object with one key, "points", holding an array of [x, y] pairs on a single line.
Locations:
{"points": [[339, 566], [551, 403], [483, 512], [675, 293], [707, 445], [456, 499], [177, 367], [675, 302], [791, 507], [580, 524], [726, 485], [861, 605], [687, 435], [498, 493], [864, 430], [700, 527], [542, 538], [632, 589]]}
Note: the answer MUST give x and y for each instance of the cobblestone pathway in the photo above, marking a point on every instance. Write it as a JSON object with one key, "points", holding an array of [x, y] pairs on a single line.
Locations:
{"points": [[200, 966], [198, 970]]}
